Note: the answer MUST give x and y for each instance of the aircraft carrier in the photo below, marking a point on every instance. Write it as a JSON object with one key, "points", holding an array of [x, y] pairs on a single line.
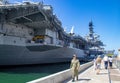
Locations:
{"points": [[31, 34]]}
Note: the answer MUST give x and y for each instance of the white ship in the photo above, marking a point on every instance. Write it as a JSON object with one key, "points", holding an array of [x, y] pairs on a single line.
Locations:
{"points": [[31, 34]]}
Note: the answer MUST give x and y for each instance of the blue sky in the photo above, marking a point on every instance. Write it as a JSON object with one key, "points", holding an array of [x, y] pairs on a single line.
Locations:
{"points": [[105, 15]]}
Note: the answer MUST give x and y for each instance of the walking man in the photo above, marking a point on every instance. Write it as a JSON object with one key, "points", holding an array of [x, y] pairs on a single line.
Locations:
{"points": [[110, 61], [95, 64], [105, 59], [98, 63], [75, 64]]}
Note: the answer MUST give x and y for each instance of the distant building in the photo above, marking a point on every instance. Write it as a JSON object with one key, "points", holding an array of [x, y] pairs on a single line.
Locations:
{"points": [[110, 52]]}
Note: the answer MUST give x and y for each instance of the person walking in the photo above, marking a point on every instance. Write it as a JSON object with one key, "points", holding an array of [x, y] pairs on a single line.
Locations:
{"points": [[95, 65], [74, 66], [105, 59], [110, 61], [98, 64]]}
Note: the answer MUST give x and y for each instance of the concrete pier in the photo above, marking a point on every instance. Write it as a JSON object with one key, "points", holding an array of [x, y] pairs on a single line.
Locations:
{"points": [[110, 75], [106, 76], [60, 77]]}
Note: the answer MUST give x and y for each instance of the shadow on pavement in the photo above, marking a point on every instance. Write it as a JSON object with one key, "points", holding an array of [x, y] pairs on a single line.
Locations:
{"points": [[84, 79]]}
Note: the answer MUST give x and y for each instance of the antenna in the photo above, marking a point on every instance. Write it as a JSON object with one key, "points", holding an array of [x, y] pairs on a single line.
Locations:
{"points": [[72, 30]]}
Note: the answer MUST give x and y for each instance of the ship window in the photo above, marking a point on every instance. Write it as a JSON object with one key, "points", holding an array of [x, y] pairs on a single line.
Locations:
{"points": [[4, 34], [34, 29], [30, 33], [14, 41], [28, 41]]}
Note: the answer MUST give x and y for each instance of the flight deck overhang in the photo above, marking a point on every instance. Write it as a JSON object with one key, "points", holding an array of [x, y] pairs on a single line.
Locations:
{"points": [[34, 15]]}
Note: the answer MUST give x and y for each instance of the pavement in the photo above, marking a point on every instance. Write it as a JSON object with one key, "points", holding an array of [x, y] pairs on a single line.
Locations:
{"points": [[115, 74], [105, 76]]}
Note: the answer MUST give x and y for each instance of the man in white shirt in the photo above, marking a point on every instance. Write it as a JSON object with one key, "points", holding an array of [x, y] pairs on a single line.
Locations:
{"points": [[105, 59]]}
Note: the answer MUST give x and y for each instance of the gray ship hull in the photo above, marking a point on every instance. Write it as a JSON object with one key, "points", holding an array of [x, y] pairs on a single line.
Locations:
{"points": [[22, 55]]}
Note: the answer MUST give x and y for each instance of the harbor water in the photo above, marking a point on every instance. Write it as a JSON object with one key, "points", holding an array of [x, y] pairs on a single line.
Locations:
{"points": [[22, 74]]}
